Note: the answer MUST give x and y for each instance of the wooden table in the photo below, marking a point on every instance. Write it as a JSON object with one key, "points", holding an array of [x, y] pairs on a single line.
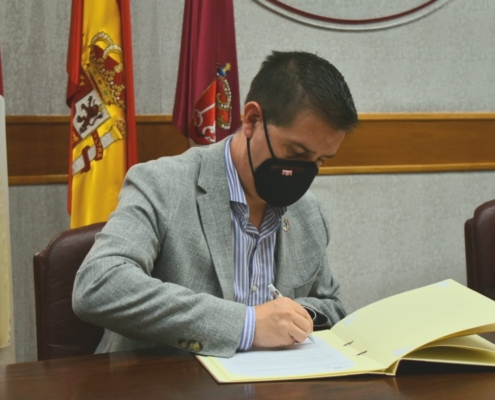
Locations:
{"points": [[173, 374]]}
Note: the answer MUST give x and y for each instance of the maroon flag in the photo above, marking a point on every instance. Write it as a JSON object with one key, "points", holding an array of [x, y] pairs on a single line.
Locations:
{"points": [[207, 106]]}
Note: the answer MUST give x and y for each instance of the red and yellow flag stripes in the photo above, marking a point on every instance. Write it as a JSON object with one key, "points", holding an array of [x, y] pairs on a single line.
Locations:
{"points": [[100, 93]]}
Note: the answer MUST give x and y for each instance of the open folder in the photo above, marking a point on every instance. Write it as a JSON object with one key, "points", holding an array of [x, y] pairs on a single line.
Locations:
{"points": [[436, 323]]}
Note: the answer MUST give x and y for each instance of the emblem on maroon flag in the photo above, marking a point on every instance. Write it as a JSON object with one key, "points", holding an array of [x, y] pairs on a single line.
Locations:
{"points": [[101, 86], [213, 110]]}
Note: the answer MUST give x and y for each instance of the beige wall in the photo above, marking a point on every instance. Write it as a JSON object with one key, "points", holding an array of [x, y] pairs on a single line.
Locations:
{"points": [[443, 62], [390, 232]]}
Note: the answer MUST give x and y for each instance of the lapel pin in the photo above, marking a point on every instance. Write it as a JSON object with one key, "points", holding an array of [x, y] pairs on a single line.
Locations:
{"points": [[286, 225]]}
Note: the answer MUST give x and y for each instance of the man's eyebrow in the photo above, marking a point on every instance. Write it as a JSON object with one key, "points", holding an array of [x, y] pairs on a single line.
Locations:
{"points": [[310, 151]]}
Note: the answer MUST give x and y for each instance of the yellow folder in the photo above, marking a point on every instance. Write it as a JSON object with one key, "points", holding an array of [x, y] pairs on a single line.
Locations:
{"points": [[435, 323]]}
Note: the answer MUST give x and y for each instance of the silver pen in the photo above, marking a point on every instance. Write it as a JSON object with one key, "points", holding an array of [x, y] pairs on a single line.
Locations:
{"points": [[276, 293]]}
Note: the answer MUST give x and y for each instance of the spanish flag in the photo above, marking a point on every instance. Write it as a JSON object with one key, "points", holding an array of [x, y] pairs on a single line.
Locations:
{"points": [[100, 92]]}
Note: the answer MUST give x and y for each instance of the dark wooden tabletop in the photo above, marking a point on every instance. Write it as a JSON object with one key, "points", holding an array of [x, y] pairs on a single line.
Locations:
{"points": [[173, 374]]}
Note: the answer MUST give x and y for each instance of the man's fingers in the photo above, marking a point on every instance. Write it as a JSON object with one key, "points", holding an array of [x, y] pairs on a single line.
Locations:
{"points": [[299, 335], [302, 312], [280, 322], [303, 324]]}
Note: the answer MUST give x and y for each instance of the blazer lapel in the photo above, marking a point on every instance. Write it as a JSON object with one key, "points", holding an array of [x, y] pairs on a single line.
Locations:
{"points": [[297, 256], [214, 209], [284, 262]]}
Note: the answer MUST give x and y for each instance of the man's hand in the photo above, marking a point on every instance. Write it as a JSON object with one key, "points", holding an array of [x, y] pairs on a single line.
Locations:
{"points": [[281, 322]]}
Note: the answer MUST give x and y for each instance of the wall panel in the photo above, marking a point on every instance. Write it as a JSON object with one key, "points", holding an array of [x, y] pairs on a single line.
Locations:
{"points": [[38, 145]]}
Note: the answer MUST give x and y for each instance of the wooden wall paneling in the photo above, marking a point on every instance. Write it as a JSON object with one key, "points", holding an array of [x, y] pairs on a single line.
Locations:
{"points": [[158, 137], [37, 146], [417, 143]]}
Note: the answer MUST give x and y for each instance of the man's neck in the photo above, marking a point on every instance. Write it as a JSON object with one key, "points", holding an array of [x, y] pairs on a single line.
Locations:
{"points": [[256, 212], [257, 207]]}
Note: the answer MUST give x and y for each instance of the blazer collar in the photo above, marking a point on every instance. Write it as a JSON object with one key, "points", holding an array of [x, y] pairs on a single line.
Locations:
{"points": [[214, 209]]}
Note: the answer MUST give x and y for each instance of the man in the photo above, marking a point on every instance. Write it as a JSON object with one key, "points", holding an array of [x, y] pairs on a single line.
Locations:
{"points": [[187, 257]]}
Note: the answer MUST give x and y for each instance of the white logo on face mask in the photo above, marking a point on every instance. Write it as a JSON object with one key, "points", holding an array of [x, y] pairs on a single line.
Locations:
{"points": [[286, 172]]}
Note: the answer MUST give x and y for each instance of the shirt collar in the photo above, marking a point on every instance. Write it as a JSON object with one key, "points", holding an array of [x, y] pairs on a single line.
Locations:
{"points": [[235, 188]]}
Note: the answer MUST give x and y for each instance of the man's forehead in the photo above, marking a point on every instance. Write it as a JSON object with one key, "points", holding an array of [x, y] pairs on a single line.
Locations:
{"points": [[306, 149]]}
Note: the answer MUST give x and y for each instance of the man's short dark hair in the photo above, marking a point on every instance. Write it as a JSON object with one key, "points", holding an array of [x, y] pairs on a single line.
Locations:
{"points": [[291, 82]]}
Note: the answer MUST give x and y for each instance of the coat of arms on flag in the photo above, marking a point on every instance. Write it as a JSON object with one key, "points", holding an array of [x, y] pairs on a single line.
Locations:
{"points": [[101, 86], [207, 106], [101, 96], [213, 108]]}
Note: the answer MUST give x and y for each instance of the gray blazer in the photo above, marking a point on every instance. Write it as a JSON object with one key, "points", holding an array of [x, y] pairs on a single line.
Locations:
{"points": [[161, 271]]}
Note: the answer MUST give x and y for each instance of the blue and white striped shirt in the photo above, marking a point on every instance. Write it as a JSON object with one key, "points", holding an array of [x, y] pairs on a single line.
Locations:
{"points": [[254, 251]]}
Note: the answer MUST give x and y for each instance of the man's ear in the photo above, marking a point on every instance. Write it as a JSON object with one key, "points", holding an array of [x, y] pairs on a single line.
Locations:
{"points": [[251, 116]]}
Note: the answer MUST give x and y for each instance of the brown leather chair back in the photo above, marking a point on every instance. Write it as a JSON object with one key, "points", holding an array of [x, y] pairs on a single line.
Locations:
{"points": [[479, 235], [60, 333]]}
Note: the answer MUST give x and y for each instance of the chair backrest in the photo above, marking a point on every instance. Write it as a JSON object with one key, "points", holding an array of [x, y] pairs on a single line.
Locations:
{"points": [[479, 235], [59, 332]]}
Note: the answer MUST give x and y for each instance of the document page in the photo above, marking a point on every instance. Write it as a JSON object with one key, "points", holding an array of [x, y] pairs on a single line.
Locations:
{"points": [[393, 327], [374, 338], [308, 358], [471, 349]]}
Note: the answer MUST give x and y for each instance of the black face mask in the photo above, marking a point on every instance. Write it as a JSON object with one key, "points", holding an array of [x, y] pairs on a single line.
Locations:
{"points": [[281, 182]]}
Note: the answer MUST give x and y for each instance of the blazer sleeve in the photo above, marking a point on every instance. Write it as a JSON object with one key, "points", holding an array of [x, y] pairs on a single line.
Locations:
{"points": [[114, 287]]}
